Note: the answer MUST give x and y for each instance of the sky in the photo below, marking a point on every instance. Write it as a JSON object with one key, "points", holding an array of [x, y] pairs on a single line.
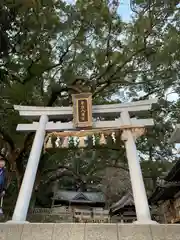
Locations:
{"points": [[124, 10]]}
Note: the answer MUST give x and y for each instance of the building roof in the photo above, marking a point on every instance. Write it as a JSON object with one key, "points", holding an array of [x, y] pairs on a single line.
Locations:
{"points": [[163, 194], [170, 188], [73, 196], [125, 201], [174, 174]]}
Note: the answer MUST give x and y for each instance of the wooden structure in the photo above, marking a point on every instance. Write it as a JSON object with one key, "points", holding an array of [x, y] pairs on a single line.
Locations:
{"points": [[63, 121], [80, 199], [124, 210], [167, 196], [82, 110], [82, 206]]}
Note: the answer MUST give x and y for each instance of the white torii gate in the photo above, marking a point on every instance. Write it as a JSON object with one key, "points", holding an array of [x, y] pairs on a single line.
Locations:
{"points": [[131, 129]]}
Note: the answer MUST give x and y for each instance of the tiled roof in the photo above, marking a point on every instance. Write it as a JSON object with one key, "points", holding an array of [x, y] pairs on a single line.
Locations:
{"points": [[163, 194], [170, 188], [74, 196], [174, 173], [126, 200]]}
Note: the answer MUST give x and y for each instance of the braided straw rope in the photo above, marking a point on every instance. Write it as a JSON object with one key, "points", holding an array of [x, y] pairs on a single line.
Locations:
{"points": [[83, 133]]}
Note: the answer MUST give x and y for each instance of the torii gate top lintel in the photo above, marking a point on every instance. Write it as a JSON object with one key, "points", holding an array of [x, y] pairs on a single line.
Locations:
{"points": [[33, 112], [113, 110]]}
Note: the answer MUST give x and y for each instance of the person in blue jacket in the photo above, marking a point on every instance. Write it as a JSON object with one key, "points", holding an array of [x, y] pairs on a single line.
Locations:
{"points": [[3, 181]]}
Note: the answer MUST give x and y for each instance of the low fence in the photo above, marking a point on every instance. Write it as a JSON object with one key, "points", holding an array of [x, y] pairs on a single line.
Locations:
{"points": [[62, 214]]}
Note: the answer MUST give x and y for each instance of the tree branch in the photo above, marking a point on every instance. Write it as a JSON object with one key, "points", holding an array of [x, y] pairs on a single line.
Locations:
{"points": [[56, 92], [127, 61], [7, 138], [108, 40], [27, 142], [48, 68], [30, 74], [109, 81], [63, 174], [59, 167]]}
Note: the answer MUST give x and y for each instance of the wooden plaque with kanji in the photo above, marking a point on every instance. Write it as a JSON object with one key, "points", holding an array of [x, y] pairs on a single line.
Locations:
{"points": [[82, 110]]}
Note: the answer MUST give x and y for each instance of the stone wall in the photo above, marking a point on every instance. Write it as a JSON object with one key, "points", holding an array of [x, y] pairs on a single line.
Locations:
{"points": [[59, 215], [70, 231], [42, 218]]}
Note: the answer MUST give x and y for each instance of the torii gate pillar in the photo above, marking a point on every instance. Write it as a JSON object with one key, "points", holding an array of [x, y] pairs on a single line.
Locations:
{"points": [[137, 183], [26, 189]]}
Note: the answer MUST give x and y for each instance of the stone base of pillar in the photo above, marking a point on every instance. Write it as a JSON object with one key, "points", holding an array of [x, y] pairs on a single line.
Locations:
{"points": [[17, 222], [147, 222]]}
